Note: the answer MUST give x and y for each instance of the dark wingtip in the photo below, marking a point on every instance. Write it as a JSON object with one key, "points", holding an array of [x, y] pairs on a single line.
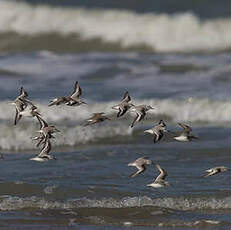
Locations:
{"points": [[161, 121], [76, 83]]}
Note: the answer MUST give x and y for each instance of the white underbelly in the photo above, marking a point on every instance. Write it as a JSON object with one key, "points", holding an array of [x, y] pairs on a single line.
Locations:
{"points": [[181, 138], [155, 185], [39, 159]]}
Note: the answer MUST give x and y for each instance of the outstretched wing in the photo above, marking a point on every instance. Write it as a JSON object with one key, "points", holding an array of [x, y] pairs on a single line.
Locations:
{"points": [[186, 128], [140, 170], [23, 92], [46, 149], [157, 136], [122, 111], [163, 173], [77, 91], [28, 102], [138, 118], [42, 122], [17, 117], [126, 97]]}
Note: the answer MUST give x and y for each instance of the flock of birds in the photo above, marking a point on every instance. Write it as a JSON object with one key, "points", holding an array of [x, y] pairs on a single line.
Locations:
{"points": [[26, 108]]}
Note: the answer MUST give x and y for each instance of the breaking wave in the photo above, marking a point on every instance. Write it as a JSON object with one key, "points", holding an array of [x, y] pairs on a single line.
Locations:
{"points": [[71, 120], [182, 32], [191, 110]]}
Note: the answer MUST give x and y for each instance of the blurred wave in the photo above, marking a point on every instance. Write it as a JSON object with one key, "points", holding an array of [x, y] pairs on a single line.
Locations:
{"points": [[183, 32]]}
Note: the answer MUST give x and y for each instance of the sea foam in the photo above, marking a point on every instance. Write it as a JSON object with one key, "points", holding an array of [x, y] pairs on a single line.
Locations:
{"points": [[9, 203]]}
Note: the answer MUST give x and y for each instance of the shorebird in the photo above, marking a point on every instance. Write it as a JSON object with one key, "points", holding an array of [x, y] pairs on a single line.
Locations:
{"points": [[185, 134], [29, 112], [215, 170], [44, 155], [22, 109], [160, 180], [157, 131], [22, 94], [22, 97], [21, 104], [141, 111], [140, 164], [70, 101], [19, 107], [45, 130], [96, 118], [124, 105]]}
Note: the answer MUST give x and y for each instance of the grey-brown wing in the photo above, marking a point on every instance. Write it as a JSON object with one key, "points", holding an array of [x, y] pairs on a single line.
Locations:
{"points": [[157, 136], [28, 102], [46, 149], [122, 111], [77, 91], [141, 168], [138, 118], [42, 122], [162, 173], [186, 128], [17, 117], [126, 97]]}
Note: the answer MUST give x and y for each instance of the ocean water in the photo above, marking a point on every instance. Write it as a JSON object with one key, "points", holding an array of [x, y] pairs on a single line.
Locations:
{"points": [[175, 59]]}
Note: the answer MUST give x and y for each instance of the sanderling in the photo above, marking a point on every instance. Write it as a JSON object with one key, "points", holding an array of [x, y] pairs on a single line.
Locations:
{"points": [[140, 164], [21, 104], [29, 112], [72, 100], [157, 131], [160, 180], [44, 155], [215, 170], [141, 111], [96, 118], [185, 134], [45, 131], [124, 105]]}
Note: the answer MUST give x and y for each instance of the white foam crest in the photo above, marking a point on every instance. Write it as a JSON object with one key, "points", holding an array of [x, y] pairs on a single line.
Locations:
{"points": [[70, 120], [19, 138], [194, 110], [162, 32], [189, 109], [178, 203]]}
